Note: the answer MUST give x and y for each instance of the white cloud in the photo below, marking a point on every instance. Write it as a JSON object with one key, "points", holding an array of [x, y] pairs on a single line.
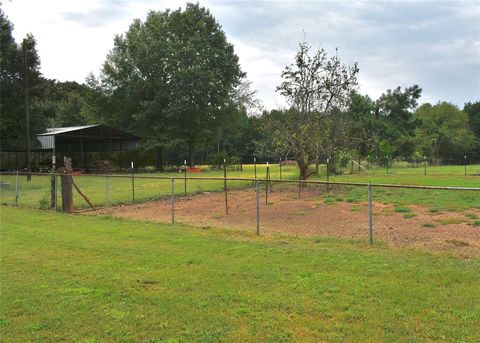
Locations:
{"points": [[435, 45]]}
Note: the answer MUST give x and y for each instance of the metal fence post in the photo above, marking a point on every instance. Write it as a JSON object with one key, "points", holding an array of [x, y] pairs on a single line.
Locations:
{"points": [[106, 190], [172, 200], [133, 186], [370, 229], [328, 174], [225, 184], [266, 184], [55, 184], [16, 190], [280, 163], [185, 176], [257, 205]]}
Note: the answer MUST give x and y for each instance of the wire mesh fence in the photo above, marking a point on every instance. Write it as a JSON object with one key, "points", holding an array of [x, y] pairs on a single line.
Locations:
{"points": [[430, 217]]}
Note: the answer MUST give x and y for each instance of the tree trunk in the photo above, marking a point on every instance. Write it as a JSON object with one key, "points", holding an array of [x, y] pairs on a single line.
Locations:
{"points": [[218, 145], [303, 169], [27, 118], [191, 154], [159, 152]]}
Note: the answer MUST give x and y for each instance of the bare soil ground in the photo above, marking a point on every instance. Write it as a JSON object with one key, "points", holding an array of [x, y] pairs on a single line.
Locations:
{"points": [[310, 216]]}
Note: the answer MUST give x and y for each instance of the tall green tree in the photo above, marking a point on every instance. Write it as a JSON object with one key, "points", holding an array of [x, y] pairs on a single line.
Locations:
{"points": [[364, 125], [20, 77], [10, 87], [395, 109], [443, 130], [168, 77], [472, 109]]}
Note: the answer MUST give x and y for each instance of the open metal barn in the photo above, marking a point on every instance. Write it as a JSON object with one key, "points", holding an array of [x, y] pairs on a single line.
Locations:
{"points": [[91, 147]]}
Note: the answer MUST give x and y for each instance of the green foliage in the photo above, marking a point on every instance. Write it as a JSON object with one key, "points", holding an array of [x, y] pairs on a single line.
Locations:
{"points": [[403, 210], [473, 111], [44, 203], [317, 89], [443, 130], [19, 62], [169, 79]]}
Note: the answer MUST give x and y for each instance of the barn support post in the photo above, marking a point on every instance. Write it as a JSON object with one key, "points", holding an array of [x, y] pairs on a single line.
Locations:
{"points": [[172, 200], [257, 205], [17, 188], [81, 152], [370, 223]]}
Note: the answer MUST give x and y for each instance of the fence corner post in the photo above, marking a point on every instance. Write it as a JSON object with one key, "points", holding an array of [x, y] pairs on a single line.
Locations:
{"points": [[257, 205], [370, 224], [172, 200]]}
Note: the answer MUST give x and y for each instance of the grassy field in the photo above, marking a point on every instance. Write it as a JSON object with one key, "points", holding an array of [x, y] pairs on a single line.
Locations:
{"points": [[87, 279], [37, 192]]}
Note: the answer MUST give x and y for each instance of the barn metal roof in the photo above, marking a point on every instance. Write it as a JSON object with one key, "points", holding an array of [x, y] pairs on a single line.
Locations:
{"points": [[59, 130], [95, 137]]}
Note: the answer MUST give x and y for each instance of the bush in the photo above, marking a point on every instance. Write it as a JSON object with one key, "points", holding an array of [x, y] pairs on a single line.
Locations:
{"points": [[45, 202]]}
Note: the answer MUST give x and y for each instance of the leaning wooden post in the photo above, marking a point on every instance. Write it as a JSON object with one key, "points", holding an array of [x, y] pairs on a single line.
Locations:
{"points": [[67, 182]]}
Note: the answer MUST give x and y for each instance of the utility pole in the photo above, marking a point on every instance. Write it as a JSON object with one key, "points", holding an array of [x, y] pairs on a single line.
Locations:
{"points": [[27, 113]]}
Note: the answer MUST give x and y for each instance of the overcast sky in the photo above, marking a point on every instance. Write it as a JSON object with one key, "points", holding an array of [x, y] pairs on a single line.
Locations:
{"points": [[435, 44]]}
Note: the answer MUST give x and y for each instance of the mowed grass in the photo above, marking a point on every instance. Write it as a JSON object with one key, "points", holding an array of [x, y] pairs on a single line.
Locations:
{"points": [[90, 279]]}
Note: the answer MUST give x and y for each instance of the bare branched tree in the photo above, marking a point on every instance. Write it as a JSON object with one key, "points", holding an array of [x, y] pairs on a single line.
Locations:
{"points": [[317, 89]]}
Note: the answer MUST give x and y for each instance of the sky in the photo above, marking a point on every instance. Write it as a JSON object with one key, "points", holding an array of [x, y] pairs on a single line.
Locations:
{"points": [[435, 44]]}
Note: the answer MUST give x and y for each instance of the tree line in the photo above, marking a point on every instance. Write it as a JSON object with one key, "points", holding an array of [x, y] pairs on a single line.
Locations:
{"points": [[175, 80]]}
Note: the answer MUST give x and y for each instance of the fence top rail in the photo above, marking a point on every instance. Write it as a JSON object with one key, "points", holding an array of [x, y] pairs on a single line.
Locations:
{"points": [[318, 182]]}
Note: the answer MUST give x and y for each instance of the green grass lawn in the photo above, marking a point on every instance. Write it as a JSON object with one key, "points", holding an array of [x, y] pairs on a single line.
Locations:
{"points": [[89, 279]]}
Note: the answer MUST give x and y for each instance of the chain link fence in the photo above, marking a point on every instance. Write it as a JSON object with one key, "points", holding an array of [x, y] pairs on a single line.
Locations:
{"points": [[445, 219]]}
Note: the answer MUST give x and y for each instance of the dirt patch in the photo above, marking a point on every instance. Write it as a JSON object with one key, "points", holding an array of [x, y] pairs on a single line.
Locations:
{"points": [[312, 215]]}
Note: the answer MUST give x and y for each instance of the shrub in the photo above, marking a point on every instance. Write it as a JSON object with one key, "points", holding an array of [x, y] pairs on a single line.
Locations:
{"points": [[45, 202]]}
